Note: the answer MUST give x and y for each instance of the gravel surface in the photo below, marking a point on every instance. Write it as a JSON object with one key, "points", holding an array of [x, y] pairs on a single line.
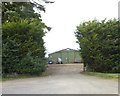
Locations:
{"points": [[62, 79]]}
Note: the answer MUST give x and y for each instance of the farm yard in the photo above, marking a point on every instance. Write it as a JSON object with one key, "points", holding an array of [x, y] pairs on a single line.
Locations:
{"points": [[68, 55]]}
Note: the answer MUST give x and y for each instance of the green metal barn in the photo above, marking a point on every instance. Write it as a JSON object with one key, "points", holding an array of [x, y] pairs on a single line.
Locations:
{"points": [[67, 55]]}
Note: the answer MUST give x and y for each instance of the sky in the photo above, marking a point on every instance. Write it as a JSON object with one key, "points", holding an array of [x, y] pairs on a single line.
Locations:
{"points": [[64, 15]]}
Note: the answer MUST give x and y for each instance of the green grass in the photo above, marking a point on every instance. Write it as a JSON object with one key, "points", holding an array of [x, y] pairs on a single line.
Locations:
{"points": [[18, 77], [24, 77], [103, 75]]}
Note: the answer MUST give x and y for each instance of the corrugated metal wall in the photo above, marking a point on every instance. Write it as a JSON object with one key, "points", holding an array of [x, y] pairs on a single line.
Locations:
{"points": [[67, 56]]}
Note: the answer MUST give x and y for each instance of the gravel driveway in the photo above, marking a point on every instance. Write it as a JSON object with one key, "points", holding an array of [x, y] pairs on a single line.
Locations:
{"points": [[62, 79]]}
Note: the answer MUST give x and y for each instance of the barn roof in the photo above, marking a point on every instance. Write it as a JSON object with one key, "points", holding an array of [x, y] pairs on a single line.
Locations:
{"points": [[63, 50]]}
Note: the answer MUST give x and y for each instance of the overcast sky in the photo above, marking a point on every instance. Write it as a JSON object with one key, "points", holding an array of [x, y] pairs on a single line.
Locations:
{"points": [[64, 15]]}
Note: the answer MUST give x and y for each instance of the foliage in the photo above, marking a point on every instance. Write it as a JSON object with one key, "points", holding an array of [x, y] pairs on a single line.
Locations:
{"points": [[31, 65], [14, 11], [103, 75], [19, 40], [99, 44], [23, 50]]}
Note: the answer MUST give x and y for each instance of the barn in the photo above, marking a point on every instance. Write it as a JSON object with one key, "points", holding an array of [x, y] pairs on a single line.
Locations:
{"points": [[67, 55]]}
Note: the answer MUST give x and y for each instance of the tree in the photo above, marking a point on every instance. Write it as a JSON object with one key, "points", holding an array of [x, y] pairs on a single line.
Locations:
{"points": [[99, 45], [23, 44]]}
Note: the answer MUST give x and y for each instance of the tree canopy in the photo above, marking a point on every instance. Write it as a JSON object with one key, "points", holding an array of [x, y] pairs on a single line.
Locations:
{"points": [[99, 43], [23, 50]]}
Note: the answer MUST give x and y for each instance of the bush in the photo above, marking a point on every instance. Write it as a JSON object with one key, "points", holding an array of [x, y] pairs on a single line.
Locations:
{"points": [[31, 65]]}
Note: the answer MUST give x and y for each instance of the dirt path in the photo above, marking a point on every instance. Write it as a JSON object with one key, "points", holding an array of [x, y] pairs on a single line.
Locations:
{"points": [[62, 79]]}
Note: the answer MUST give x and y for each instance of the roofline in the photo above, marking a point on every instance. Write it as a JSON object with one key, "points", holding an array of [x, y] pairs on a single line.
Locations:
{"points": [[62, 50]]}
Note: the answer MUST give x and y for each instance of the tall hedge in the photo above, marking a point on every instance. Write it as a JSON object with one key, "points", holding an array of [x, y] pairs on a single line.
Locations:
{"points": [[23, 47], [23, 50], [99, 43]]}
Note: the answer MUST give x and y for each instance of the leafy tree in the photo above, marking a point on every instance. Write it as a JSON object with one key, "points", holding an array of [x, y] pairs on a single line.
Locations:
{"points": [[23, 44], [99, 45]]}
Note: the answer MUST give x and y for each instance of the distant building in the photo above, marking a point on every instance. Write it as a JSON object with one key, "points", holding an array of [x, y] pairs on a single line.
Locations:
{"points": [[67, 56]]}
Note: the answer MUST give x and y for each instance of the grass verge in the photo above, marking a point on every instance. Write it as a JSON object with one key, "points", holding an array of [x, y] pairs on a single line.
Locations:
{"points": [[17, 77], [24, 77], [103, 75]]}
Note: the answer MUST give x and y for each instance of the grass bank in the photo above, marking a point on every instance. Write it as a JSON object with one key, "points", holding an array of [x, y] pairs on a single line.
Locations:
{"points": [[23, 77], [103, 75], [17, 77]]}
